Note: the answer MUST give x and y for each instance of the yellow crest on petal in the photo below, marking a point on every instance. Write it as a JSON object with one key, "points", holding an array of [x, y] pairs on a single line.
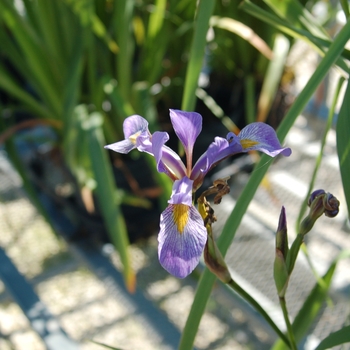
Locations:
{"points": [[246, 143], [180, 216], [134, 137]]}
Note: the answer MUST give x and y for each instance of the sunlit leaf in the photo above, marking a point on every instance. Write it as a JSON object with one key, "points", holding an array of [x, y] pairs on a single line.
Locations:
{"points": [[244, 32], [337, 338], [343, 144]]}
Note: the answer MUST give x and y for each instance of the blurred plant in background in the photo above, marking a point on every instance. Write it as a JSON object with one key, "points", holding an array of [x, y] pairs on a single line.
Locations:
{"points": [[71, 71]]}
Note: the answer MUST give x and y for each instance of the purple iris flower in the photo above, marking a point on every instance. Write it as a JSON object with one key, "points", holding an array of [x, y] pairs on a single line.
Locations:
{"points": [[182, 235]]}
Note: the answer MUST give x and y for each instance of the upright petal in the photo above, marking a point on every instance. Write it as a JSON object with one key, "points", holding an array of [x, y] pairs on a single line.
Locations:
{"points": [[261, 137], [181, 239], [187, 126]]}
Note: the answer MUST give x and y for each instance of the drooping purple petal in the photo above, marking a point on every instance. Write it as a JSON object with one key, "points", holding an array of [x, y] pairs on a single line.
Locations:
{"points": [[187, 126], [136, 136], [181, 239], [167, 160], [261, 137], [182, 192], [124, 146]]}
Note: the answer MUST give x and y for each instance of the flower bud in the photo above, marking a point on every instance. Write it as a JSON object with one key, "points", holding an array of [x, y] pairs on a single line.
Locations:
{"points": [[280, 271], [320, 203], [316, 204], [281, 235], [313, 195], [331, 205], [215, 261]]}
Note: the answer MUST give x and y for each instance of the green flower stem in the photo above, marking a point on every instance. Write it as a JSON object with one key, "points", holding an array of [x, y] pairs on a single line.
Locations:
{"points": [[293, 252], [320, 155], [239, 290], [290, 332]]}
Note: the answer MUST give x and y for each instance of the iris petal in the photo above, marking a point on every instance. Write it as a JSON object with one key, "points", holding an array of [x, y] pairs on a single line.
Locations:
{"points": [[179, 252], [167, 160], [182, 192], [217, 151], [136, 136], [187, 126], [124, 146], [133, 125], [261, 137]]}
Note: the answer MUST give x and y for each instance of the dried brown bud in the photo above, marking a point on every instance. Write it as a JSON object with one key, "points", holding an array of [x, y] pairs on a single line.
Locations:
{"points": [[331, 205]]}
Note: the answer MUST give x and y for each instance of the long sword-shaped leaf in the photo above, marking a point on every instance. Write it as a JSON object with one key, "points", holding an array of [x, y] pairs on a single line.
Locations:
{"points": [[156, 43], [295, 13], [122, 24], [207, 279], [204, 12], [337, 338], [343, 144], [11, 87], [88, 18], [34, 53], [273, 77], [317, 43], [106, 194]]}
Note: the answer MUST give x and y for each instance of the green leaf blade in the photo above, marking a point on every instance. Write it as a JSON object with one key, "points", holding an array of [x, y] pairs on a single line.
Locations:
{"points": [[343, 144], [337, 338]]}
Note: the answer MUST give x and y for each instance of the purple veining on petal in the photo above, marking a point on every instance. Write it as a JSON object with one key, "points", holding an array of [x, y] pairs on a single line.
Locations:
{"points": [[167, 160], [179, 253], [158, 140], [187, 126], [134, 124], [217, 151], [144, 143], [182, 192], [124, 146], [261, 137]]}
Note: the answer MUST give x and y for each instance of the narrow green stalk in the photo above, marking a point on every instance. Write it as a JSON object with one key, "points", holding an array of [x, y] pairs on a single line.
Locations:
{"points": [[207, 279], [123, 18], [239, 290], [249, 100], [204, 12], [293, 252], [290, 332], [320, 155]]}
